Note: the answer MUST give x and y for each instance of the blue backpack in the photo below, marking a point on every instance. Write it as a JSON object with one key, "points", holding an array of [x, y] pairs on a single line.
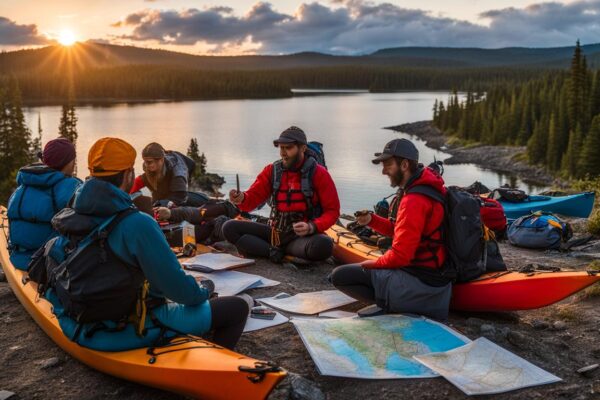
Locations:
{"points": [[315, 150], [540, 230]]}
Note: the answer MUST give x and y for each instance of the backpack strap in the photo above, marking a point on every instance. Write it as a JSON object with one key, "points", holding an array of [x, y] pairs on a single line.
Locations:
{"points": [[438, 197], [276, 181], [306, 184]]}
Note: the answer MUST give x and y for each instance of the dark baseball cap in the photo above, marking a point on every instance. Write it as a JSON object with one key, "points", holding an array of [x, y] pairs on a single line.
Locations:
{"points": [[402, 148], [293, 134]]}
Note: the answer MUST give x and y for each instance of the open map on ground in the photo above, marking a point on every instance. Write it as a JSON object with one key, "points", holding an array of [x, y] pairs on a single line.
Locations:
{"points": [[210, 262], [308, 303], [377, 347], [483, 367], [230, 283]]}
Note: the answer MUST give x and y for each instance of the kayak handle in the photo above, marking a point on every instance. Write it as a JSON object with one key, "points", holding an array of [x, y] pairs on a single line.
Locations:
{"points": [[260, 369]]}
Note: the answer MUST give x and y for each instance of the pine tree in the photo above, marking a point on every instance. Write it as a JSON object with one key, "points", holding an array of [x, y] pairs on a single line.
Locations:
{"points": [[554, 150], [68, 119], [36, 143], [571, 159], [15, 137], [193, 152], [590, 161], [536, 146]]}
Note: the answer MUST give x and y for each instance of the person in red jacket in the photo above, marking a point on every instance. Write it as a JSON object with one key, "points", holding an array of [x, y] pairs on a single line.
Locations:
{"points": [[408, 277], [304, 203]]}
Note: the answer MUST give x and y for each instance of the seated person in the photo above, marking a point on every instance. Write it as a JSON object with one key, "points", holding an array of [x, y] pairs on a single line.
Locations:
{"points": [[207, 219], [138, 258], [44, 189], [408, 277], [304, 203], [166, 175]]}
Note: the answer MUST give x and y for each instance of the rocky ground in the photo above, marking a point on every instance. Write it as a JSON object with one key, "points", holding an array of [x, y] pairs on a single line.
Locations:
{"points": [[562, 339], [506, 159]]}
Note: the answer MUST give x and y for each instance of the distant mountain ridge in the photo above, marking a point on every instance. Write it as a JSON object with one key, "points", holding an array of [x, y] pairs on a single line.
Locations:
{"points": [[86, 55]]}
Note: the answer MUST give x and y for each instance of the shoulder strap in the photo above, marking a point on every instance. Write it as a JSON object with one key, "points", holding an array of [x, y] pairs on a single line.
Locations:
{"points": [[429, 192], [105, 229], [307, 173], [276, 181]]}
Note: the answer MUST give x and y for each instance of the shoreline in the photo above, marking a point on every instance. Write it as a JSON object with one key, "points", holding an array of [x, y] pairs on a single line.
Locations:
{"points": [[502, 159]]}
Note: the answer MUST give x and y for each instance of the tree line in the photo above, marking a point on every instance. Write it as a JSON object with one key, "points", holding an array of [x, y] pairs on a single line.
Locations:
{"points": [[152, 82], [556, 115]]}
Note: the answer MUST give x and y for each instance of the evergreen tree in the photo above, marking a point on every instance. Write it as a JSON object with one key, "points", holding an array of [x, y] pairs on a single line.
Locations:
{"points": [[571, 159], [590, 160], [68, 119], [193, 152], [554, 149], [536, 146], [36, 143]]}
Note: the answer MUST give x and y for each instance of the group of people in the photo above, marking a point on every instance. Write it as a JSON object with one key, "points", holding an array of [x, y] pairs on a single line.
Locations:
{"points": [[54, 215]]}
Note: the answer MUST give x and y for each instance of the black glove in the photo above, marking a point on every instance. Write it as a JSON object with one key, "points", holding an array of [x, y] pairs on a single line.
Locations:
{"points": [[208, 285]]}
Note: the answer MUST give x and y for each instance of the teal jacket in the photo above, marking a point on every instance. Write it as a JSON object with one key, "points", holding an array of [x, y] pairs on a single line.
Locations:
{"points": [[137, 240]]}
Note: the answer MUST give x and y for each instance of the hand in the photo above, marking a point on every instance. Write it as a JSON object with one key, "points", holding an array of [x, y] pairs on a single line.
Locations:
{"points": [[303, 228], [208, 285], [162, 213], [368, 264], [363, 217], [236, 197]]}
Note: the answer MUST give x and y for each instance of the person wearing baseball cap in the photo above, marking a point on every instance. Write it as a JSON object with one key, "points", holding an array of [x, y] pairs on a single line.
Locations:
{"points": [[304, 204], [408, 277], [43, 190], [166, 175], [134, 258]]}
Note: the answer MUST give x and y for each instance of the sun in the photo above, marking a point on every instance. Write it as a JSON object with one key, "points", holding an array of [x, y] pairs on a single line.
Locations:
{"points": [[66, 37]]}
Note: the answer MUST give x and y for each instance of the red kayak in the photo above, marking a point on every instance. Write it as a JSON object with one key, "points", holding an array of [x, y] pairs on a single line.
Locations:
{"points": [[497, 291]]}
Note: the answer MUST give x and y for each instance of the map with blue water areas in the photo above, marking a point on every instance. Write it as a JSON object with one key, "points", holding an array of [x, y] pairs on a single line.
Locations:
{"points": [[379, 347]]}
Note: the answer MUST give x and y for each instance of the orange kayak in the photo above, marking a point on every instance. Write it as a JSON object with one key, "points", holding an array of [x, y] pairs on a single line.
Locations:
{"points": [[195, 368], [497, 291]]}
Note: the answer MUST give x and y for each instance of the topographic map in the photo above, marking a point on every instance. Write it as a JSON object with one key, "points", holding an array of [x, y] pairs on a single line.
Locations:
{"points": [[308, 303], [377, 347], [483, 367]]}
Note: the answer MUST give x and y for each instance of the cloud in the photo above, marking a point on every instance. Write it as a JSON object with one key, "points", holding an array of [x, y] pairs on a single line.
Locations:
{"points": [[12, 33], [362, 26]]}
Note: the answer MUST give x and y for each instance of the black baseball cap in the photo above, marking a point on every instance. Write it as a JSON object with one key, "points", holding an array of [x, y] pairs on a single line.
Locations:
{"points": [[402, 148], [293, 134]]}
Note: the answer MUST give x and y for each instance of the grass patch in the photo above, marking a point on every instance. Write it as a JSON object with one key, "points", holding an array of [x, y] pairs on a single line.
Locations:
{"points": [[520, 157], [567, 312], [593, 225], [589, 293]]}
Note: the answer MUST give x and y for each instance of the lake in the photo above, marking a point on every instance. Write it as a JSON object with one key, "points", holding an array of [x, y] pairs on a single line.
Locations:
{"points": [[237, 135]]}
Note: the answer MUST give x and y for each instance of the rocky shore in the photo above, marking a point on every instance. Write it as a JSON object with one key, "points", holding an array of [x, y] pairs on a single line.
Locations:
{"points": [[505, 159]]}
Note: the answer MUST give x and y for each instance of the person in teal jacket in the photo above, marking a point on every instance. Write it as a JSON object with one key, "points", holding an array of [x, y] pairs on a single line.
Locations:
{"points": [[138, 241], [43, 190]]}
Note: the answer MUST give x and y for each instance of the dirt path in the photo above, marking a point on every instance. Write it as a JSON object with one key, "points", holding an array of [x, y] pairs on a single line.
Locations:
{"points": [[560, 351]]}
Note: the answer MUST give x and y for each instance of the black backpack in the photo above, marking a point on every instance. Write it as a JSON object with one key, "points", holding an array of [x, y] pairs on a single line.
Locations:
{"points": [[92, 283], [512, 195], [463, 233]]}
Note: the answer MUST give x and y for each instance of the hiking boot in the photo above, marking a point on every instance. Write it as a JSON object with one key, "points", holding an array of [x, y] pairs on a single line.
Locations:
{"points": [[276, 254]]}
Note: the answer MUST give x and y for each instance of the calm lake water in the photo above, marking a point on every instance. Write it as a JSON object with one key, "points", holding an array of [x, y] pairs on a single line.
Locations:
{"points": [[237, 135]]}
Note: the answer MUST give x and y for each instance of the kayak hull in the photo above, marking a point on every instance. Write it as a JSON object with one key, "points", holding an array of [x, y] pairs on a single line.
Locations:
{"points": [[492, 292], [198, 369], [575, 205]]}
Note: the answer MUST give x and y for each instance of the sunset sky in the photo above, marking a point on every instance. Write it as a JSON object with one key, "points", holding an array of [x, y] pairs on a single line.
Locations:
{"points": [[288, 26]]}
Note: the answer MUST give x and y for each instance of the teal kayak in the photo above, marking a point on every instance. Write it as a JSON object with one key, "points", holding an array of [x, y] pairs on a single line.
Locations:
{"points": [[574, 205]]}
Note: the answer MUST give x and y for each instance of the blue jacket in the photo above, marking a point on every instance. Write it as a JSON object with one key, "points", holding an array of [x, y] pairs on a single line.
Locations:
{"points": [[137, 240], [41, 193]]}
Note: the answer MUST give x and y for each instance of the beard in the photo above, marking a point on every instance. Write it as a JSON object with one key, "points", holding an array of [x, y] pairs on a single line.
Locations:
{"points": [[291, 162], [396, 179]]}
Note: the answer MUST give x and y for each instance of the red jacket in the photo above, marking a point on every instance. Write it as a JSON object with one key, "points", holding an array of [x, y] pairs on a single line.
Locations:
{"points": [[138, 184], [325, 194], [418, 216]]}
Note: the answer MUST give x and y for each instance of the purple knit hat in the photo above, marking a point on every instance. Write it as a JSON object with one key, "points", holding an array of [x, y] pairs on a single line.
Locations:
{"points": [[58, 153]]}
